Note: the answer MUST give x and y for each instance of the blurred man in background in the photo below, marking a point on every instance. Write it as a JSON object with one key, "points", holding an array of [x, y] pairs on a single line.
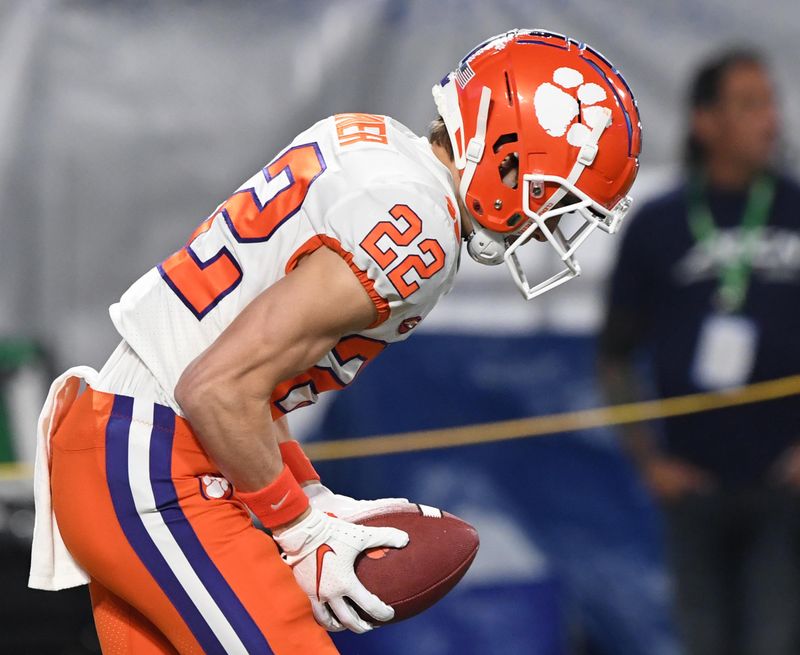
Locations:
{"points": [[707, 283]]}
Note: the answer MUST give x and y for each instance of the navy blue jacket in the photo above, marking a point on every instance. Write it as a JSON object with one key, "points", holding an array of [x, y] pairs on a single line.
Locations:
{"points": [[662, 291]]}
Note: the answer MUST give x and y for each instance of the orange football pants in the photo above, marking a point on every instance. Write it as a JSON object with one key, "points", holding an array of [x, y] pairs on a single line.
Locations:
{"points": [[175, 562]]}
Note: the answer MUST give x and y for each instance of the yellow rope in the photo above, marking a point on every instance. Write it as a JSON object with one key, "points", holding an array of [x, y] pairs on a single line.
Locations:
{"points": [[536, 426], [539, 426]]}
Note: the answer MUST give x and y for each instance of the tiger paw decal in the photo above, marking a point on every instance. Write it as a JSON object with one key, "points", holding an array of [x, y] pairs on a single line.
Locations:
{"points": [[213, 487], [569, 106]]}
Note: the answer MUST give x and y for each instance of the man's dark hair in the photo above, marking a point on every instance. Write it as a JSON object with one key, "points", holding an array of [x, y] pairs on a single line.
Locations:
{"points": [[706, 88]]}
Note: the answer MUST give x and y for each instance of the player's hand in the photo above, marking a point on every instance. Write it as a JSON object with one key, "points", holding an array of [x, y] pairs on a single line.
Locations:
{"points": [[344, 507], [671, 478], [322, 551]]}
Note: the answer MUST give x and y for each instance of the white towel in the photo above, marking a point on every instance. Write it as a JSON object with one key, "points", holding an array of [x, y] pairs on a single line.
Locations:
{"points": [[52, 567]]}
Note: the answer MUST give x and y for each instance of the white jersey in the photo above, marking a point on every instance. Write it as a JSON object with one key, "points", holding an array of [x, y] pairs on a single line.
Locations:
{"points": [[362, 185]]}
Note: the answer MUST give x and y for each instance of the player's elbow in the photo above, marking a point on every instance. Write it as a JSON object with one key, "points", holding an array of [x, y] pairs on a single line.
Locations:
{"points": [[184, 393], [224, 390]]}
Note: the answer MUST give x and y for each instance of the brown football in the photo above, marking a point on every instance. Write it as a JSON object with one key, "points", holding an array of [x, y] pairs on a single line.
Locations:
{"points": [[441, 548]]}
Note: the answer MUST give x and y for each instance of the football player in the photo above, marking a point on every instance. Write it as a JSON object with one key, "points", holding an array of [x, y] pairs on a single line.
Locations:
{"points": [[338, 247]]}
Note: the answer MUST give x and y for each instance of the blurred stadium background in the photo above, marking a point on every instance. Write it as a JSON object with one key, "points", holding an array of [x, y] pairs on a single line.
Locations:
{"points": [[123, 124]]}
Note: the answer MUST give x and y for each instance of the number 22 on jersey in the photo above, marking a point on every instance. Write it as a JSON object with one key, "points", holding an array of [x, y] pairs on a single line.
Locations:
{"points": [[252, 214], [386, 257]]}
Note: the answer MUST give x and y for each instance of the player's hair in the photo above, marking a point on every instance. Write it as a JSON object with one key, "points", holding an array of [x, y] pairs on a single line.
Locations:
{"points": [[437, 133], [706, 87]]}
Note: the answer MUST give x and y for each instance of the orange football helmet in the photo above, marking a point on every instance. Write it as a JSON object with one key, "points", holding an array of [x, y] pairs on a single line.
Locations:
{"points": [[560, 114]]}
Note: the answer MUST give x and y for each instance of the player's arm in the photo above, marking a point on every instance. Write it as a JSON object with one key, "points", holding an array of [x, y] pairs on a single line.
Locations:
{"points": [[225, 392]]}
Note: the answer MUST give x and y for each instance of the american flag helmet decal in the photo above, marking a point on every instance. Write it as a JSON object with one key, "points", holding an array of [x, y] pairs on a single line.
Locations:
{"points": [[464, 74]]}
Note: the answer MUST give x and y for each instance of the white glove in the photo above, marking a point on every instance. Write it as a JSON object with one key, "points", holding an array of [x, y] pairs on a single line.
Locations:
{"points": [[344, 507], [322, 551]]}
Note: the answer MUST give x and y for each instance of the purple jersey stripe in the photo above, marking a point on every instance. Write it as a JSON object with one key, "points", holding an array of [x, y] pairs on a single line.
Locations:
{"points": [[167, 502], [117, 437]]}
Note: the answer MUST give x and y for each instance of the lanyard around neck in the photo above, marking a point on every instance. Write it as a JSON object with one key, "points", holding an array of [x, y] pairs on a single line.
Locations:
{"points": [[734, 276]]}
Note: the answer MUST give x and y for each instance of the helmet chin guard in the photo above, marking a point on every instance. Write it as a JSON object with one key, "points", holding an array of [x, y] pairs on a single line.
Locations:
{"points": [[594, 216]]}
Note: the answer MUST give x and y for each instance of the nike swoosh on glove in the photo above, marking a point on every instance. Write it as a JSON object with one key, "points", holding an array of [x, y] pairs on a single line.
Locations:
{"points": [[322, 551], [345, 507]]}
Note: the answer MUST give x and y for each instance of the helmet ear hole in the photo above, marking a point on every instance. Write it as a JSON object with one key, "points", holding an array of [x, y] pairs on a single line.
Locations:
{"points": [[477, 207], [509, 170]]}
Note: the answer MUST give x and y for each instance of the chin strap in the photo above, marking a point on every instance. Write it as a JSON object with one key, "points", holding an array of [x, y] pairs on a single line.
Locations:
{"points": [[483, 246], [476, 144]]}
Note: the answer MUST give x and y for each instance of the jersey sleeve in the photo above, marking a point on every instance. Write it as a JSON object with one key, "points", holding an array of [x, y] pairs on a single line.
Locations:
{"points": [[401, 243]]}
